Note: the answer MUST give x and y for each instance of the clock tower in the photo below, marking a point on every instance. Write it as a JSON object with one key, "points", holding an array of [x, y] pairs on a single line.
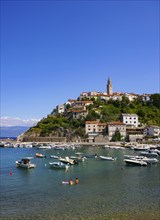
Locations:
{"points": [[109, 87]]}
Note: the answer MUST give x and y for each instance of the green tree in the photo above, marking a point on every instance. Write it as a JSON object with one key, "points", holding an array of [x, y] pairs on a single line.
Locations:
{"points": [[155, 99], [117, 136]]}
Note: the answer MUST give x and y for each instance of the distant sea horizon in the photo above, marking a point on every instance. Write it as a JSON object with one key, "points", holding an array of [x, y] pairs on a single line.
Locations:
{"points": [[9, 138]]}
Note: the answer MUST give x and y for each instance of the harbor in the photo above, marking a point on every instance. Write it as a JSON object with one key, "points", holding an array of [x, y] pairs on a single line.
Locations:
{"points": [[107, 189]]}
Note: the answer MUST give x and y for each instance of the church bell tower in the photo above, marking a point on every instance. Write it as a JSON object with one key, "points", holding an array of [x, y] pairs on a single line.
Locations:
{"points": [[109, 87]]}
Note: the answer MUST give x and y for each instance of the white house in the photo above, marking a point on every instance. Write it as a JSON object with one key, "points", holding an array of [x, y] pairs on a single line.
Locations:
{"points": [[129, 119], [60, 108], [131, 96]]}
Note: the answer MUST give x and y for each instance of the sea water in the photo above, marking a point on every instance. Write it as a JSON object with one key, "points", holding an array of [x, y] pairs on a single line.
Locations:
{"points": [[106, 189]]}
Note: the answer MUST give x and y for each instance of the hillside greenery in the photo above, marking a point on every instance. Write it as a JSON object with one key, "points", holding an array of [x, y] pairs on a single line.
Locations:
{"points": [[106, 111]]}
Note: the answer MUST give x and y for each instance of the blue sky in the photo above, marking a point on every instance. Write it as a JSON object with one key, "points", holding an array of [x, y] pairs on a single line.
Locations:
{"points": [[54, 50]]}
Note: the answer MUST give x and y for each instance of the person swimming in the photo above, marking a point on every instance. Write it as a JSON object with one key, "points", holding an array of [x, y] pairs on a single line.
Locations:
{"points": [[71, 182], [77, 181]]}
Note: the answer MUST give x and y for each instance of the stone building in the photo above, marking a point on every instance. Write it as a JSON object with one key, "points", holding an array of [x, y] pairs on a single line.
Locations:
{"points": [[116, 126]]}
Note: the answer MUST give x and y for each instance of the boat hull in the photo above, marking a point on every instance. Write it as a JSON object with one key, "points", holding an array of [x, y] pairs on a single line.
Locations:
{"points": [[135, 162], [26, 166]]}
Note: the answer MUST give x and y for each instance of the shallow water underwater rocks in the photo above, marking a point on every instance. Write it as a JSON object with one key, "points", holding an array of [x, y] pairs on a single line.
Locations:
{"points": [[144, 215]]}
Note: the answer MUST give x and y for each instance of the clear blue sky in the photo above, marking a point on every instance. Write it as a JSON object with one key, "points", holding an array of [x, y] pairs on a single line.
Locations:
{"points": [[54, 50]]}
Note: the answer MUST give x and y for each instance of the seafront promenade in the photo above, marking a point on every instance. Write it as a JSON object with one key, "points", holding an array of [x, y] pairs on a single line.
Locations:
{"points": [[14, 143], [95, 144]]}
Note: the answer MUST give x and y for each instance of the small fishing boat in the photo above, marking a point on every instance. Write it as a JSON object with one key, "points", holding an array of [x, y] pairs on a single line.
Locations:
{"points": [[149, 153], [59, 165], [54, 156], [45, 147], [107, 158], [141, 147], [40, 155], [106, 146], [91, 155], [143, 158], [135, 162], [67, 160], [25, 163], [78, 158]]}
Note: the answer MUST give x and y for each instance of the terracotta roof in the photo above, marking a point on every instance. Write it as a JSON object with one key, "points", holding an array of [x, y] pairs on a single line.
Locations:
{"points": [[103, 95], [115, 123], [72, 100], [95, 122], [92, 122]]}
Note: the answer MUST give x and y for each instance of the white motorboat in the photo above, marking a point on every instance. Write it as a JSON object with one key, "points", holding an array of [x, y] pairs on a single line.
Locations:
{"points": [[150, 160], [149, 153], [67, 160], [59, 165], [107, 158], [135, 162], [141, 147], [143, 158], [106, 146], [45, 147], [78, 158], [25, 163], [54, 156]]}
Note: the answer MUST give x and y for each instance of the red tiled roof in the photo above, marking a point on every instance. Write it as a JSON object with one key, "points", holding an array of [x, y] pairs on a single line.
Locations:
{"points": [[95, 122], [72, 100], [92, 122], [115, 123], [105, 95]]}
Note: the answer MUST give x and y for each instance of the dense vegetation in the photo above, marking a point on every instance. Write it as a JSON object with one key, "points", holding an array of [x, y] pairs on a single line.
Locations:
{"points": [[106, 111]]}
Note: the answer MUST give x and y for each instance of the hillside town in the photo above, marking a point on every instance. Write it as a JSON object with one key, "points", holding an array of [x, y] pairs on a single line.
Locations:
{"points": [[97, 131]]}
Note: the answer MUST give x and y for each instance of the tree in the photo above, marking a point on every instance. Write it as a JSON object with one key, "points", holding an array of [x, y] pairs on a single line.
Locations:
{"points": [[117, 136], [155, 99]]}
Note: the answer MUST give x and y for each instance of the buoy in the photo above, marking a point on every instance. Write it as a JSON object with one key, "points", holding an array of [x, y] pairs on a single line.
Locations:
{"points": [[10, 173]]}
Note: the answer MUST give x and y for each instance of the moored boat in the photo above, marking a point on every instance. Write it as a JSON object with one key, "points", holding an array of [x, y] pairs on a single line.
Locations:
{"points": [[135, 162], [143, 158], [25, 163], [67, 160], [107, 158], [58, 165], [149, 153], [54, 156], [40, 155]]}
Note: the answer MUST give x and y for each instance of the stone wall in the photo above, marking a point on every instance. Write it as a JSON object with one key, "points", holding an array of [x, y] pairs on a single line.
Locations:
{"points": [[44, 139]]}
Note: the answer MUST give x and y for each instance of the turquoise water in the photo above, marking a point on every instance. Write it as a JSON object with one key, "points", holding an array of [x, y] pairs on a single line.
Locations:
{"points": [[106, 189]]}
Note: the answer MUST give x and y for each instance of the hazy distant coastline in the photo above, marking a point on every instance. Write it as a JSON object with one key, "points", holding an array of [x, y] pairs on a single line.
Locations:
{"points": [[12, 132]]}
